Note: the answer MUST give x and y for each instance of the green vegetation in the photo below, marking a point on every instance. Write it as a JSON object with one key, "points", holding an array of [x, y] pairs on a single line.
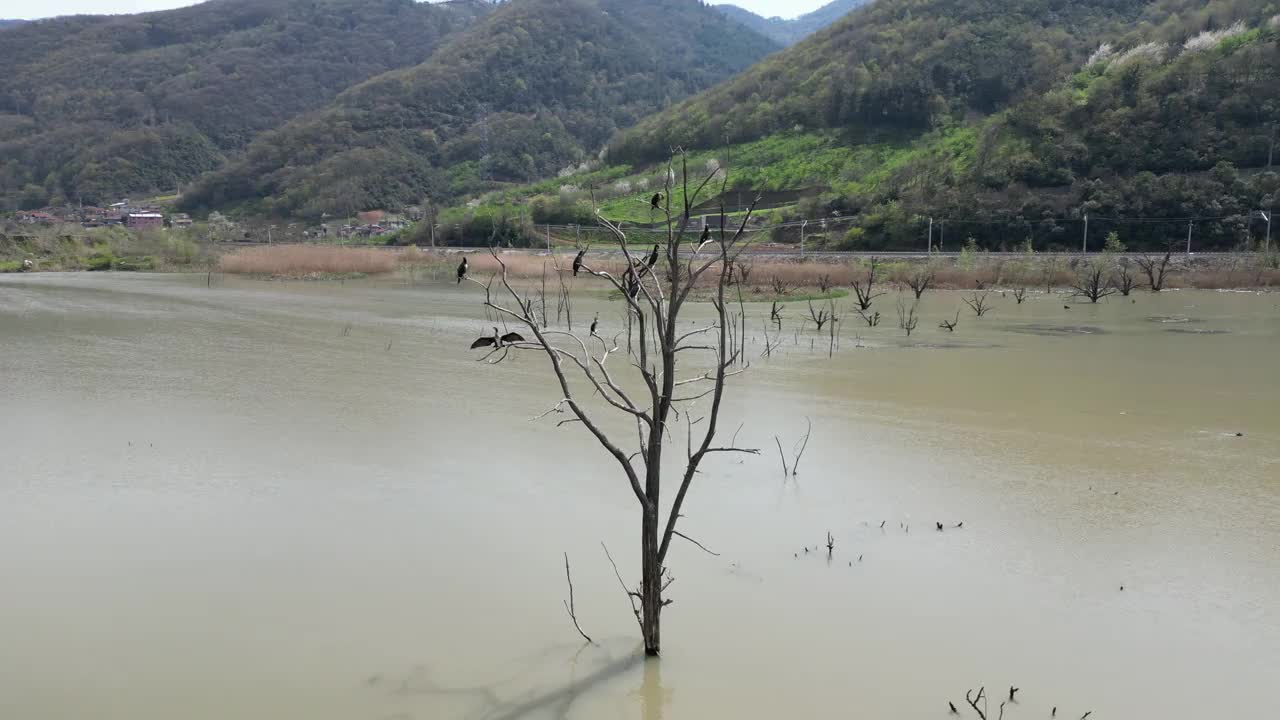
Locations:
{"points": [[96, 108], [533, 89], [105, 249]]}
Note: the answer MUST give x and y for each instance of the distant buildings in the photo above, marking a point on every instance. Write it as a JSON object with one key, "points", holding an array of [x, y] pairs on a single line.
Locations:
{"points": [[144, 220]]}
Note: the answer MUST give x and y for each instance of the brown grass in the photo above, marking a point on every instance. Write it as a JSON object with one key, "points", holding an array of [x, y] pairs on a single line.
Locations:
{"points": [[308, 260]]}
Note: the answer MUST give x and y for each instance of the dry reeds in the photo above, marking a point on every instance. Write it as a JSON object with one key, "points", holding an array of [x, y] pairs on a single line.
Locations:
{"points": [[308, 260]]}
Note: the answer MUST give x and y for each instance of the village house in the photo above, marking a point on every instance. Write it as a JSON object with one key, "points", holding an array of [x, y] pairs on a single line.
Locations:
{"points": [[144, 220], [180, 220]]}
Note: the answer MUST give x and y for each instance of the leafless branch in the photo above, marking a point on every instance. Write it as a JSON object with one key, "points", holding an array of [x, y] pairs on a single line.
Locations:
{"points": [[677, 533], [568, 606]]}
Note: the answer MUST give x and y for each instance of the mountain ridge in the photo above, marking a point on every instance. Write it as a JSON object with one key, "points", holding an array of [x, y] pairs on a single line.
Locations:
{"points": [[789, 32]]}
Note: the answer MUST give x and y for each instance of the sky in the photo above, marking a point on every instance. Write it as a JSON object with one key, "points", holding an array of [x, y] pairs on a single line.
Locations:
{"points": [[30, 9]]}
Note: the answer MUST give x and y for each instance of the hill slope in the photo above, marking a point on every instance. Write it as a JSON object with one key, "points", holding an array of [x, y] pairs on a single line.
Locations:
{"points": [[1005, 123], [789, 32], [895, 65], [95, 107], [537, 86]]}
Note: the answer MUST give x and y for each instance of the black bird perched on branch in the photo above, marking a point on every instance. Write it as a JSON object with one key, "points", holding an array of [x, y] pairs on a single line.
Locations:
{"points": [[1012, 691], [594, 323], [577, 262], [497, 340], [462, 270], [653, 257], [656, 200], [704, 238]]}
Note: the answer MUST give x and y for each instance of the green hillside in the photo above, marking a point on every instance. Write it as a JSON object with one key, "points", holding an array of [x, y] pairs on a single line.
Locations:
{"points": [[95, 107], [1144, 115], [537, 87]]}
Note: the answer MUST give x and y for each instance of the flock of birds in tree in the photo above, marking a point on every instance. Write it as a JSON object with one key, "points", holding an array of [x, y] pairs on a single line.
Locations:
{"points": [[631, 281]]}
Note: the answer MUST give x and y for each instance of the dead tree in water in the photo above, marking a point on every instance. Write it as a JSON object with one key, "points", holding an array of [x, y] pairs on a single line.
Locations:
{"points": [[1091, 282], [819, 317], [872, 320], [654, 301], [1156, 268], [950, 325], [920, 281], [978, 303], [1020, 294], [1123, 279], [865, 292], [907, 319]]}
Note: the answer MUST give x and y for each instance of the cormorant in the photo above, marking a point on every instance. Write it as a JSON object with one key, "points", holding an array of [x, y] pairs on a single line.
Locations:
{"points": [[486, 341], [1066, 307], [939, 527], [1012, 691], [1055, 712], [462, 270], [497, 340], [953, 708], [656, 200], [653, 257], [594, 323], [704, 238], [577, 262], [960, 524]]}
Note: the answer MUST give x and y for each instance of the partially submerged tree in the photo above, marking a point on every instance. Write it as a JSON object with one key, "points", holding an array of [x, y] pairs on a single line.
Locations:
{"points": [[907, 319], [1156, 268], [864, 292], [655, 295], [1091, 281], [1124, 279], [921, 280]]}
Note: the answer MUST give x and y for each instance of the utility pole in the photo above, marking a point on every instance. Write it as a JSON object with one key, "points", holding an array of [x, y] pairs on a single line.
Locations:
{"points": [[803, 224], [1084, 244], [1190, 224], [930, 242], [548, 238]]}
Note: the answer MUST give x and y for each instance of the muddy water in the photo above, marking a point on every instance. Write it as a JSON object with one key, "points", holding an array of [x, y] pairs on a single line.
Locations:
{"points": [[292, 500]]}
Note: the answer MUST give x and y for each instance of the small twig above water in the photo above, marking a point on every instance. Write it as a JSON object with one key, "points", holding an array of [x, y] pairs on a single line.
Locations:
{"points": [[568, 606]]}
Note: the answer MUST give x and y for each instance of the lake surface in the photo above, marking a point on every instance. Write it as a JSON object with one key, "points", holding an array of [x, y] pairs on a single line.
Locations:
{"points": [[307, 500]]}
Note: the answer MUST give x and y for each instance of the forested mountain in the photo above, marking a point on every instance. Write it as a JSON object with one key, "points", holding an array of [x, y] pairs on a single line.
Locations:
{"points": [[4, 24], [536, 87], [898, 66], [788, 32], [1012, 114], [95, 107]]}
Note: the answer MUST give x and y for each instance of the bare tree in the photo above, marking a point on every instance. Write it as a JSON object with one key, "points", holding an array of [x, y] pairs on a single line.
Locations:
{"points": [[780, 286], [978, 303], [921, 280], [655, 301], [1091, 282], [824, 283], [818, 317], [1123, 278], [1020, 294], [907, 319], [1156, 268], [872, 320], [775, 314], [865, 292]]}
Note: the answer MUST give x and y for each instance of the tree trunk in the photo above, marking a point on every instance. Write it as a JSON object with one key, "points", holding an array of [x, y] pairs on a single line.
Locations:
{"points": [[651, 585]]}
